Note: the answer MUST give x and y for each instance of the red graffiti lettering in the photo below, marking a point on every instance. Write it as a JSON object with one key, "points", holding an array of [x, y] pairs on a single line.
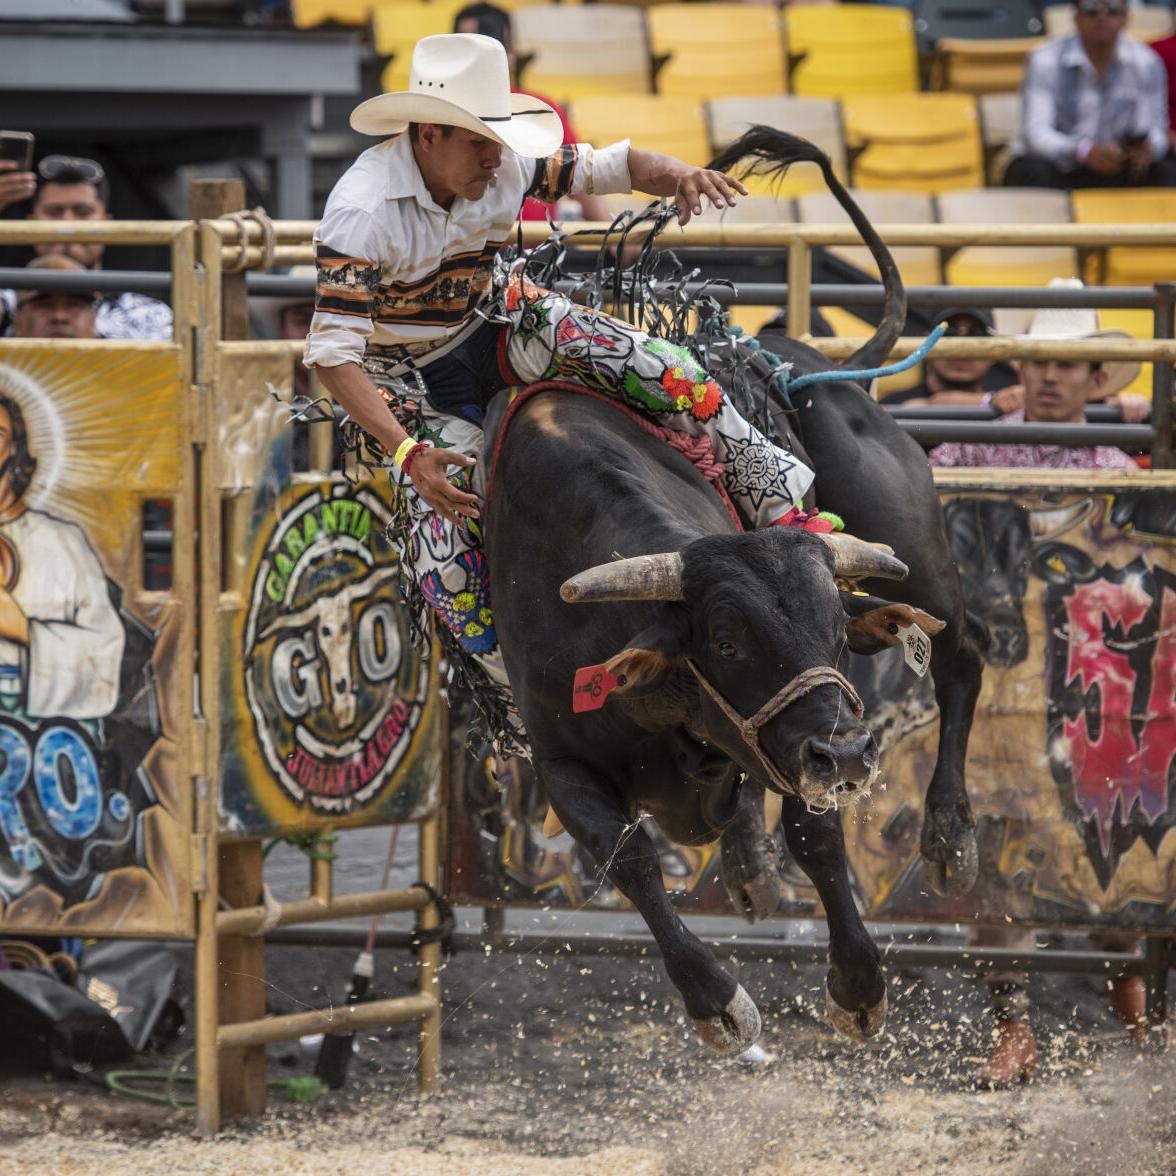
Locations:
{"points": [[1116, 767]]}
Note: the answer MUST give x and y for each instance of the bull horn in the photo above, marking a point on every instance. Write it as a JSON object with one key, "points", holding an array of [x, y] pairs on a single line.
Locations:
{"points": [[856, 559], [643, 577]]}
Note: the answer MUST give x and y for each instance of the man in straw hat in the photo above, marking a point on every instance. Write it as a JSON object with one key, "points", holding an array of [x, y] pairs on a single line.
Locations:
{"points": [[416, 328], [1055, 391]]}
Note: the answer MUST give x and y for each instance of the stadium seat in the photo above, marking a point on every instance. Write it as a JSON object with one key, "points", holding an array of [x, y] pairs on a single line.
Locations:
{"points": [[967, 66], [717, 49], [815, 119], [306, 14], [569, 53], [396, 28], [1007, 265], [918, 264], [914, 142], [850, 49], [1127, 266], [1146, 22], [937, 19], [1000, 118], [653, 122]]}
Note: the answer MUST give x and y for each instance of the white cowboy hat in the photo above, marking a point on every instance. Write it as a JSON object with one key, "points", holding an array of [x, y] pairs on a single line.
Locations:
{"points": [[463, 80], [1082, 323]]}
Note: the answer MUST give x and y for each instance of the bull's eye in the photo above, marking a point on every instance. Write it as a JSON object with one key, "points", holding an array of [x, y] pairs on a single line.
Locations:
{"points": [[726, 649], [326, 630]]}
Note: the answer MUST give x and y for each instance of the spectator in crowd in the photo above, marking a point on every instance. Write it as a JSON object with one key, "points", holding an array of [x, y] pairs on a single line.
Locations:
{"points": [[957, 381], [73, 188], [1066, 324], [55, 314], [492, 21], [289, 318], [1055, 390], [1058, 391], [1094, 109]]}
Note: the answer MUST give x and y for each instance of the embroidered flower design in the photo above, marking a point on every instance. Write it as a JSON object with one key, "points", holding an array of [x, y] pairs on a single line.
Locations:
{"points": [[700, 398]]}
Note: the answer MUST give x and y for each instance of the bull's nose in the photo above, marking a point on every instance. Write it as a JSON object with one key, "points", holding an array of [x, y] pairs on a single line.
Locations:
{"points": [[1008, 645], [850, 757]]}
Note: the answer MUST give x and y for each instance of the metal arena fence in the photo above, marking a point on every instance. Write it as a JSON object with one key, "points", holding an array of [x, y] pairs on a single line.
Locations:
{"points": [[229, 729]]}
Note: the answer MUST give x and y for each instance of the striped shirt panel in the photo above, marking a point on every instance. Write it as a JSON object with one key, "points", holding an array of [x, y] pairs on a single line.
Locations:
{"points": [[399, 276]]}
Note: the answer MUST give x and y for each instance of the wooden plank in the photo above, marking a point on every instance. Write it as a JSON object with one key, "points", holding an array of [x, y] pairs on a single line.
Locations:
{"points": [[207, 200], [241, 991]]}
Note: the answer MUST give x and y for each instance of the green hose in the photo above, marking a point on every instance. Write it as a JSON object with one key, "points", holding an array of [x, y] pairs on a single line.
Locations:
{"points": [[299, 1089]]}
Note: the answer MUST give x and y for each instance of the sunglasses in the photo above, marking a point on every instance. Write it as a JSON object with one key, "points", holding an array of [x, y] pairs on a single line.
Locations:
{"points": [[87, 171], [1094, 7]]}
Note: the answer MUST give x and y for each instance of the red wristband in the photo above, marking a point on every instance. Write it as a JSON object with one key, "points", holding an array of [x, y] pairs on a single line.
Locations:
{"points": [[406, 464]]}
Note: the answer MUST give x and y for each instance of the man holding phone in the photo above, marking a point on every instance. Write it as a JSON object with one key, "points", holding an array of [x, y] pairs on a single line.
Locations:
{"points": [[1094, 109], [73, 188]]}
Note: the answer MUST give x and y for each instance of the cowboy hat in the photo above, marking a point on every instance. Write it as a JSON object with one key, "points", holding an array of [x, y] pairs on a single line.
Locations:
{"points": [[1082, 323], [463, 80]]}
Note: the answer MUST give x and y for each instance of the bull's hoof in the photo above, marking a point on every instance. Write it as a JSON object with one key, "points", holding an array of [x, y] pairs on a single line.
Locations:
{"points": [[734, 1029], [948, 846], [861, 1024], [957, 874], [758, 897]]}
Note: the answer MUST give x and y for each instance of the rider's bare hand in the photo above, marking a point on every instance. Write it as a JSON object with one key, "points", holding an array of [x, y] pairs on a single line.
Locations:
{"points": [[428, 474], [700, 184]]}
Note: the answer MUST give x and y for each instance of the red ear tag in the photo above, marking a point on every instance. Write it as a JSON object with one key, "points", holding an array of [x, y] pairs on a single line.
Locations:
{"points": [[593, 684]]}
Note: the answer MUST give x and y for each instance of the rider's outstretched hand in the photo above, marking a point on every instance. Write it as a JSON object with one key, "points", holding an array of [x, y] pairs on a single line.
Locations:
{"points": [[428, 475]]}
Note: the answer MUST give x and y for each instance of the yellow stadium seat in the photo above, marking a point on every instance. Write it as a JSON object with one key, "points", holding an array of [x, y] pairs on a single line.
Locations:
{"points": [[570, 53], [717, 49], [396, 28], [308, 13], [846, 49], [1139, 324], [653, 123], [815, 119], [1126, 266], [1145, 22], [967, 66], [918, 264], [1001, 265], [914, 142]]}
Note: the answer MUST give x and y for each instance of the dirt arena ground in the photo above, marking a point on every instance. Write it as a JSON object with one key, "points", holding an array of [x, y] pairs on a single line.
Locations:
{"points": [[560, 1065]]}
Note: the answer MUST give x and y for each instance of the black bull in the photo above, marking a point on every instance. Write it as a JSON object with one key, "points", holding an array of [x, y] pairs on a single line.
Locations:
{"points": [[717, 622]]}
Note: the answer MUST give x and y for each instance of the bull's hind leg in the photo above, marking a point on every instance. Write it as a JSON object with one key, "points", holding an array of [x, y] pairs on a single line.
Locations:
{"points": [[855, 990], [724, 1015], [949, 839]]}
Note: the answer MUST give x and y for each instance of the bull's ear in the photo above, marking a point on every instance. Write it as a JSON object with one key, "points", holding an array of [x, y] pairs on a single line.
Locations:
{"points": [[648, 658], [875, 627]]}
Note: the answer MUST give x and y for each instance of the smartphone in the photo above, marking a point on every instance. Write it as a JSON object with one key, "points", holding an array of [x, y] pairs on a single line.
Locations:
{"points": [[18, 147], [1129, 141]]}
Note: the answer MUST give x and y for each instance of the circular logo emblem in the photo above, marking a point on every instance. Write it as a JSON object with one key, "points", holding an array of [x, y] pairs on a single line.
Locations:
{"points": [[332, 679]]}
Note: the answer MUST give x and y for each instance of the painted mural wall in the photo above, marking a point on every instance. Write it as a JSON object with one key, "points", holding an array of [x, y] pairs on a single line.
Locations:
{"points": [[95, 641]]}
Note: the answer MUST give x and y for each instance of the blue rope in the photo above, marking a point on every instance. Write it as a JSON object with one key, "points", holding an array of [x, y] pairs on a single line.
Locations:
{"points": [[786, 386]]}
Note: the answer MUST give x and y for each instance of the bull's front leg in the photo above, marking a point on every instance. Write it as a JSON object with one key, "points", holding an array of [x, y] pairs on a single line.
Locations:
{"points": [[750, 861], [855, 989], [949, 829], [724, 1015]]}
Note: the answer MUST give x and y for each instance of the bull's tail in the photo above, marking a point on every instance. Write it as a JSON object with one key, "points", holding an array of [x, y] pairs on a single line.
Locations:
{"points": [[766, 151]]}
